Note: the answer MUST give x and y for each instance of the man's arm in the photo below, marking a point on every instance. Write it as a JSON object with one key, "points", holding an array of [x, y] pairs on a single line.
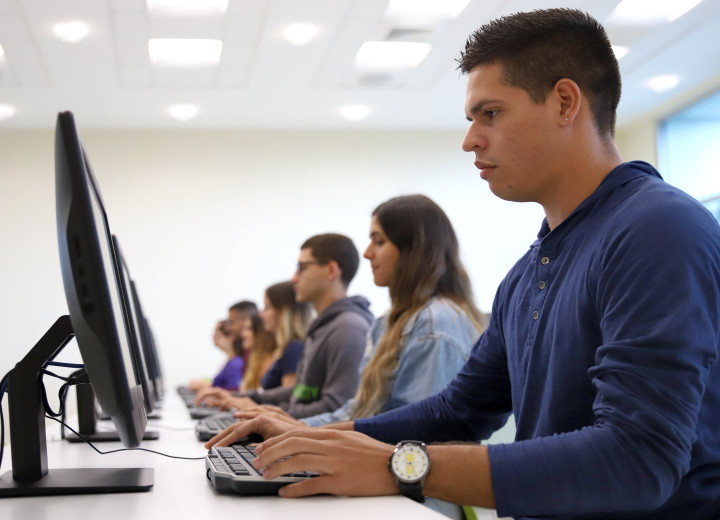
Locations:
{"points": [[277, 396], [353, 464]]}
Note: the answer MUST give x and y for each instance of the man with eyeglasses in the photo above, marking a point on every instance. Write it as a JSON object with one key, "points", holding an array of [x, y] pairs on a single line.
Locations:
{"points": [[328, 372]]}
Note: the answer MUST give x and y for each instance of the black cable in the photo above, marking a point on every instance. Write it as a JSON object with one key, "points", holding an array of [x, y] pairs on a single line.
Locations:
{"points": [[61, 394], [66, 365], [122, 449], [76, 379], [3, 388]]}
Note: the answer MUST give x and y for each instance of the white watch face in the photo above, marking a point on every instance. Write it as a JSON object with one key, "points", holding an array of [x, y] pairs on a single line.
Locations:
{"points": [[410, 463]]}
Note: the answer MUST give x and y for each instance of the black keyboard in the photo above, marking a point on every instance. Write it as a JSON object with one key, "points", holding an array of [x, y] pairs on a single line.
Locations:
{"points": [[187, 396], [210, 426], [203, 411], [232, 457], [230, 469], [219, 422]]}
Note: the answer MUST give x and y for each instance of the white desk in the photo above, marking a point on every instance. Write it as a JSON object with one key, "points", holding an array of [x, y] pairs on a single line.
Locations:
{"points": [[181, 490]]}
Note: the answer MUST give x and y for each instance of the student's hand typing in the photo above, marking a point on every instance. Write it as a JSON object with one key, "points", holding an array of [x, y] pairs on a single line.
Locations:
{"points": [[348, 462], [212, 396], [238, 403], [198, 384], [264, 425], [264, 409]]}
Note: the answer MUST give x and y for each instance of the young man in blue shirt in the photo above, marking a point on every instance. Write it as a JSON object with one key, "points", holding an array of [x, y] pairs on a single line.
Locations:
{"points": [[603, 339]]}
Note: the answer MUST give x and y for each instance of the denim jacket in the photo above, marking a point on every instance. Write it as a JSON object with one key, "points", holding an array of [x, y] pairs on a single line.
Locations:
{"points": [[436, 344]]}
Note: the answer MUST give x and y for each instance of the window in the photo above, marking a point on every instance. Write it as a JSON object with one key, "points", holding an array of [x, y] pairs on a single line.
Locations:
{"points": [[689, 154]]}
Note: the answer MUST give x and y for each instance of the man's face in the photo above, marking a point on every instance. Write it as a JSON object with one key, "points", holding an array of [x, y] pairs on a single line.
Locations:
{"points": [[236, 322], [311, 278], [513, 138]]}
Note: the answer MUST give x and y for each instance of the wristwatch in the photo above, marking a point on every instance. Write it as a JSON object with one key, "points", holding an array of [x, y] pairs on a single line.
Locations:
{"points": [[410, 465]]}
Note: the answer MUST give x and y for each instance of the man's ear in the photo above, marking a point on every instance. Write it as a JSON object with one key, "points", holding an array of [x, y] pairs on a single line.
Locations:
{"points": [[334, 271], [568, 98]]}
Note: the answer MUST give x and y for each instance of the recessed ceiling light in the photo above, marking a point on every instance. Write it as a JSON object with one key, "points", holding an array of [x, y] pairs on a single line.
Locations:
{"points": [[651, 11], [354, 112], [620, 51], [424, 12], [663, 83], [300, 33], [6, 112], [176, 52], [391, 55], [187, 7], [71, 32], [182, 112], [2, 51]]}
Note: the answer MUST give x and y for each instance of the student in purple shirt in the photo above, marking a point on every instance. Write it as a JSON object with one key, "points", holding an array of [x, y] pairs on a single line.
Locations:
{"points": [[227, 336], [287, 320]]}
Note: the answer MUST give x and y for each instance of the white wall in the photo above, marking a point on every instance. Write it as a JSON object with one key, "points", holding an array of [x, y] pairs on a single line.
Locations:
{"points": [[208, 218]]}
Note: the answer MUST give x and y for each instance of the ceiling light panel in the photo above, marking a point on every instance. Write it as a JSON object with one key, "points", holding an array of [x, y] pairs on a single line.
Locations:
{"points": [[391, 55], [651, 11], [187, 8], [663, 83], [73, 31], [6, 112], [182, 111], [177, 52], [424, 12], [300, 33], [620, 51], [354, 113]]}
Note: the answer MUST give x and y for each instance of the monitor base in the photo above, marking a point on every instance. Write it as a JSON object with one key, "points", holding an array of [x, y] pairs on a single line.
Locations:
{"points": [[111, 436], [80, 481]]}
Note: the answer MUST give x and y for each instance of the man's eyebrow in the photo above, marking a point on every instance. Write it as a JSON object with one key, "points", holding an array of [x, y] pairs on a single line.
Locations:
{"points": [[478, 107]]}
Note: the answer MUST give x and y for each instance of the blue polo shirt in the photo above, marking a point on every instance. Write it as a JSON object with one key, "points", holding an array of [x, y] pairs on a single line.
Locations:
{"points": [[603, 342]]}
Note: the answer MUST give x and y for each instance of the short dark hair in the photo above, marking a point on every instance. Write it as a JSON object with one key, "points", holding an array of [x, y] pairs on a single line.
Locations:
{"points": [[336, 248], [244, 307], [536, 49]]}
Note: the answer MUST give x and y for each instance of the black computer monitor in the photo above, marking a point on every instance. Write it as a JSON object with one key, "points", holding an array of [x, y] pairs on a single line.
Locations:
{"points": [[98, 321], [137, 321], [86, 402], [152, 356]]}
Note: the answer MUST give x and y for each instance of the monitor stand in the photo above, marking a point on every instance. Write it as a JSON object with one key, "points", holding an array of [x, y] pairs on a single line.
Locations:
{"points": [[87, 420], [30, 475]]}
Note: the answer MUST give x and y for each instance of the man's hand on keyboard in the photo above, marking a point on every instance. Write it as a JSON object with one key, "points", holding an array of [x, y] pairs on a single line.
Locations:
{"points": [[347, 462]]}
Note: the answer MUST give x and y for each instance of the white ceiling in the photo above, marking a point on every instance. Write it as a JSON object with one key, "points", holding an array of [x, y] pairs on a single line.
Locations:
{"points": [[264, 82]]}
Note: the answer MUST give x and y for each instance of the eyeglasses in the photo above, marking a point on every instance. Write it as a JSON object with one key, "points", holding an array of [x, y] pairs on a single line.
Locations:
{"points": [[301, 266]]}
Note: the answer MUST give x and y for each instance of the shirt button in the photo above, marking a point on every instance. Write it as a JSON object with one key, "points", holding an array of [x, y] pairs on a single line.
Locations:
{"points": [[544, 260], [536, 315], [542, 285]]}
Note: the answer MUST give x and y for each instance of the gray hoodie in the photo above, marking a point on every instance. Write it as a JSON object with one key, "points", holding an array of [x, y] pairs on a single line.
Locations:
{"points": [[327, 374]]}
